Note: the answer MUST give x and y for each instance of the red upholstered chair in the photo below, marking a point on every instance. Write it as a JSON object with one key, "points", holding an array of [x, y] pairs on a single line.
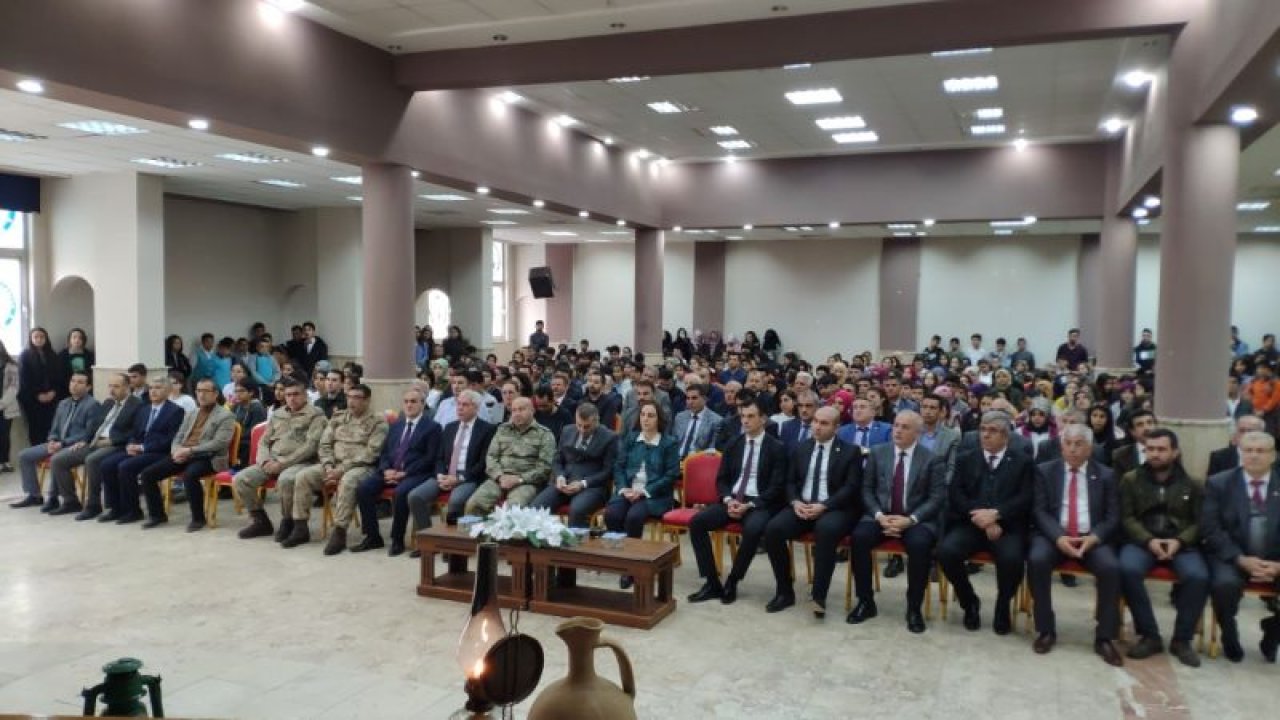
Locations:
{"points": [[981, 558], [699, 471], [233, 457], [224, 478]]}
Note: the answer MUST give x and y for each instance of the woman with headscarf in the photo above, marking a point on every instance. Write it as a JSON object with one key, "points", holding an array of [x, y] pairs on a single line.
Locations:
{"points": [[1039, 424], [842, 401]]}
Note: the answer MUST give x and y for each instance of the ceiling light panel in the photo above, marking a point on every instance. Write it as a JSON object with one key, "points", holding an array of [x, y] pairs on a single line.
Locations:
{"points": [[735, 144], [991, 113], [101, 127], [628, 79], [724, 130], [844, 122], [816, 96], [962, 53], [167, 163], [990, 129], [977, 83], [19, 136], [666, 107], [444, 197], [861, 136], [348, 179], [281, 183], [253, 158], [497, 222], [1247, 206], [508, 211]]}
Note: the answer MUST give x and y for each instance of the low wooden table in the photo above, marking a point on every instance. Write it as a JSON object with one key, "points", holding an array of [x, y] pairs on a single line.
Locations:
{"points": [[458, 583], [646, 561]]}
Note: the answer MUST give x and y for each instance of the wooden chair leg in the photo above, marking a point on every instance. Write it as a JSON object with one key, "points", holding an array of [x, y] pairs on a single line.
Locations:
{"points": [[211, 501], [848, 586], [875, 570], [944, 591], [166, 492], [82, 488], [808, 560]]}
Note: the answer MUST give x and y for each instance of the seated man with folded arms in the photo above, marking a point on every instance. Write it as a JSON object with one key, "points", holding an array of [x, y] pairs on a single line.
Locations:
{"points": [[408, 459], [518, 463], [199, 450], [288, 445], [109, 432], [68, 435], [823, 481], [459, 464], [582, 468], [349, 450], [154, 427]]}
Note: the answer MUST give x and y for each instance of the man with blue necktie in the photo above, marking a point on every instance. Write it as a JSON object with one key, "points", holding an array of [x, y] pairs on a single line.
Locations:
{"points": [[407, 461], [865, 431], [154, 428]]}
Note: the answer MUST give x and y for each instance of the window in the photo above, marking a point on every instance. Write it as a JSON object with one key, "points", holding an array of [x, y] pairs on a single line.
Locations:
{"points": [[13, 244], [439, 314], [499, 291]]}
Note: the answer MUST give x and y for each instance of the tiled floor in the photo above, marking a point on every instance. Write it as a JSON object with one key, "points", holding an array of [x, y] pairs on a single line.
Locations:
{"points": [[247, 630]]}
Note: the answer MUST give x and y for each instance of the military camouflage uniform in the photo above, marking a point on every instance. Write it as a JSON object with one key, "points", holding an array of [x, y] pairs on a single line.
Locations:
{"points": [[291, 440], [527, 453], [351, 445]]}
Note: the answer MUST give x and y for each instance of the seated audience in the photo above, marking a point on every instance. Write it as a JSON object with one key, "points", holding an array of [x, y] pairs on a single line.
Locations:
{"points": [[154, 428], [408, 459], [583, 468], [696, 426], [518, 464], [68, 435], [644, 475], [460, 464]]}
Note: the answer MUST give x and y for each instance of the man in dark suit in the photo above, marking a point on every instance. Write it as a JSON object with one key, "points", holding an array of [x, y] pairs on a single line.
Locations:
{"points": [[311, 349], [696, 426], [731, 425], [750, 484], [1228, 457], [109, 432], [408, 459], [548, 414], [903, 496], [1128, 457], [69, 429], [582, 468], [642, 389], [1241, 529], [1075, 515], [154, 428], [460, 464], [990, 497], [608, 404], [823, 480], [796, 431], [1238, 406]]}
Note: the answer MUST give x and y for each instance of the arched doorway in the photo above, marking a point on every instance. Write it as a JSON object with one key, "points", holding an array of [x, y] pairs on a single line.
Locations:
{"points": [[70, 306], [434, 308]]}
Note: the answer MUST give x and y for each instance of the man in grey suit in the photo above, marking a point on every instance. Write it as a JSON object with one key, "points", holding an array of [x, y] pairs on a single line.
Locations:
{"points": [[1076, 515], [110, 432], [1240, 524], [70, 426], [696, 426], [582, 468], [903, 494], [941, 441], [644, 389]]}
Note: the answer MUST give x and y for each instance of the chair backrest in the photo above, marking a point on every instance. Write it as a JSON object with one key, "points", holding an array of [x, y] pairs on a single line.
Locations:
{"points": [[233, 451], [700, 471], [255, 437]]}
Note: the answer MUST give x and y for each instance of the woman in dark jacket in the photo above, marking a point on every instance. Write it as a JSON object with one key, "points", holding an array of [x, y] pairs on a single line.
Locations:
{"points": [[76, 357], [175, 358], [644, 476], [683, 344], [455, 346], [40, 378]]}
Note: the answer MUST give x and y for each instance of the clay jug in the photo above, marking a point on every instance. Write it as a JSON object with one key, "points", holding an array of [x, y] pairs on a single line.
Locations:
{"points": [[584, 695]]}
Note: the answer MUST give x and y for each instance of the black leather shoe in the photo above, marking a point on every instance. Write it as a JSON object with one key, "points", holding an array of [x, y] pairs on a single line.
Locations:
{"points": [[1002, 622], [1185, 653], [1231, 649], [1069, 581], [972, 615], [111, 516], [1044, 642], [862, 612], [50, 505], [780, 603], [915, 621], [709, 591], [26, 502], [67, 508], [369, 543], [1106, 650], [129, 518], [730, 592], [415, 554], [973, 568], [1270, 638], [1146, 646], [893, 567], [396, 549], [155, 522], [195, 526], [626, 582], [89, 513]]}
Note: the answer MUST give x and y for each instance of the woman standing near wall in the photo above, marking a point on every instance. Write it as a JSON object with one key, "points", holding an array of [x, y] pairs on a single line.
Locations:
{"points": [[175, 358], [39, 378], [76, 357], [8, 404]]}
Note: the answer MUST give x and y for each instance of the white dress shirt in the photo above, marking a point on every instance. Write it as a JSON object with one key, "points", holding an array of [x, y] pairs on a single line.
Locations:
{"points": [[821, 473], [751, 454]]}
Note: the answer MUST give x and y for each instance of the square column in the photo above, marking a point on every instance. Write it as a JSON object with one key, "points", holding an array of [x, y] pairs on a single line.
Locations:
{"points": [[649, 248]]}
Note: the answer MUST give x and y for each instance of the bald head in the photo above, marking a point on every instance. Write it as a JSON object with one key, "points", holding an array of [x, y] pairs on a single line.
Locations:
{"points": [[824, 423]]}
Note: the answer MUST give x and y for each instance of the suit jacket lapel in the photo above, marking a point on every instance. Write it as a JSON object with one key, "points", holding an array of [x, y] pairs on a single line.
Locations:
{"points": [[1273, 512], [1242, 498]]}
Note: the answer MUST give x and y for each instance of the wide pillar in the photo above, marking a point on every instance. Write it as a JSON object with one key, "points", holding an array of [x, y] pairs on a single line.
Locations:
{"points": [[1110, 322], [387, 335], [650, 246], [899, 295], [560, 306], [1088, 290], [708, 286], [341, 268]]}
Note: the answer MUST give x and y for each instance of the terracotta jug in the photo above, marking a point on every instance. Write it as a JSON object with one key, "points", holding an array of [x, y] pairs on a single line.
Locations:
{"points": [[584, 695]]}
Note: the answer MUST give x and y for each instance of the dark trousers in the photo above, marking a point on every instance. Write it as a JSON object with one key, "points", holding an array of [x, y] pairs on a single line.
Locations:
{"points": [[622, 515], [962, 541], [1226, 587], [120, 479], [5, 425], [39, 420], [828, 530], [581, 505], [1193, 577], [191, 472], [367, 494], [1101, 561], [919, 541], [716, 517]]}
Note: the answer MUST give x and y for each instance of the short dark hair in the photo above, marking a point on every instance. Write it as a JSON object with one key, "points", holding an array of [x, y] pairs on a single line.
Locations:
{"points": [[206, 336], [944, 403], [1138, 413], [474, 377], [364, 389], [1163, 433], [543, 391], [308, 324], [137, 369], [753, 401], [87, 377], [976, 335], [1075, 331], [291, 381]]}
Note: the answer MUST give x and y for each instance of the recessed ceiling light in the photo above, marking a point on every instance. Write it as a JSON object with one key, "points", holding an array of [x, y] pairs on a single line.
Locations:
{"points": [[929, 222], [498, 222], [539, 203], [731, 159], [616, 232], [845, 122], [748, 227], [1151, 201], [806, 228], [607, 140], [19, 136], [958, 53], [1137, 78], [584, 214], [288, 5], [1028, 220], [666, 107], [641, 154], [35, 87], [415, 174], [356, 198], [991, 113], [833, 225], [1244, 114], [482, 190], [320, 151], [797, 66], [101, 127], [861, 136], [1021, 144], [198, 124], [253, 158], [1253, 206], [167, 163], [1140, 212], [734, 144], [559, 233], [281, 183], [1004, 232], [1267, 229], [732, 237], [628, 79], [791, 228], [566, 120], [444, 197], [724, 130], [1144, 221], [509, 97], [508, 211], [1113, 125], [620, 222], [979, 83], [903, 234], [901, 226], [990, 129], [922, 234], [814, 97], [348, 179]]}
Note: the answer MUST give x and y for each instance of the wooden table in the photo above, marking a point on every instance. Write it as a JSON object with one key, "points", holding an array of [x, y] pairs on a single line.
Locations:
{"points": [[643, 607], [457, 582]]}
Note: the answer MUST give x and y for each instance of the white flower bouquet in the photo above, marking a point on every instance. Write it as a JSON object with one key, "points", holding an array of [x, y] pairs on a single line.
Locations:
{"points": [[536, 526]]}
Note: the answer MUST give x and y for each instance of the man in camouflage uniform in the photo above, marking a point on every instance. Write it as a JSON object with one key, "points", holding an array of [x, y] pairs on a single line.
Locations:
{"points": [[518, 463], [349, 450], [287, 446]]}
